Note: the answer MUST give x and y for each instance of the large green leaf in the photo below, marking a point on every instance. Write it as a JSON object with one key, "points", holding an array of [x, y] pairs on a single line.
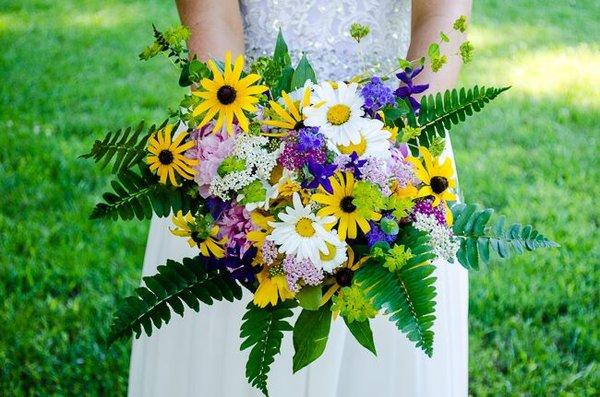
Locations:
{"points": [[281, 54], [262, 329], [174, 285], [478, 237], [310, 335], [310, 297], [361, 330], [438, 113], [139, 194], [407, 294], [125, 148], [302, 74]]}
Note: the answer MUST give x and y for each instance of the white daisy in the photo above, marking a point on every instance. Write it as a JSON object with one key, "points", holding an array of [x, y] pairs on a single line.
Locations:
{"points": [[374, 141], [333, 258], [336, 111], [302, 233]]}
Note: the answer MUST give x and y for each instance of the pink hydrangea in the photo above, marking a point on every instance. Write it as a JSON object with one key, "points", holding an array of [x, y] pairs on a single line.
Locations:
{"points": [[235, 223], [211, 148]]}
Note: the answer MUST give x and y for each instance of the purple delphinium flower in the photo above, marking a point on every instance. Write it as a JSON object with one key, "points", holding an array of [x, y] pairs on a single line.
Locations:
{"points": [[376, 96], [425, 207], [310, 138], [376, 235], [321, 174], [241, 268], [355, 164], [407, 90]]}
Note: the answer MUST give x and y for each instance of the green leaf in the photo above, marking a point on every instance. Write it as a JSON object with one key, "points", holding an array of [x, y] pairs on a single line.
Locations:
{"points": [[285, 81], [281, 54], [362, 333], [310, 335], [303, 73], [438, 113], [434, 50], [262, 329], [309, 297], [478, 237], [175, 284], [407, 294]]}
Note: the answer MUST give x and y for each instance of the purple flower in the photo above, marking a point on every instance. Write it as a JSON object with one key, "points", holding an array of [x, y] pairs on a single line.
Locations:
{"points": [[409, 88], [355, 164], [321, 174], [376, 96], [376, 235], [310, 138], [300, 270], [294, 156], [425, 207]]}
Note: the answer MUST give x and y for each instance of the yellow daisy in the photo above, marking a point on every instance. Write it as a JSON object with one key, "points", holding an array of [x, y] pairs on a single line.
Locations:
{"points": [[228, 94], [340, 205], [206, 239], [167, 157], [272, 286], [290, 117], [437, 178]]}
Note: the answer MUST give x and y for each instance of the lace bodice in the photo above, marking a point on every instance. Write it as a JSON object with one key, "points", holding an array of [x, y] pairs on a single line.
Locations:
{"points": [[321, 29]]}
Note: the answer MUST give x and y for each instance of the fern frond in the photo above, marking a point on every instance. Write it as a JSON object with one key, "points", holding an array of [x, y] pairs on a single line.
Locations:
{"points": [[262, 329], [174, 285], [407, 294], [439, 113], [478, 236], [125, 147], [138, 195]]}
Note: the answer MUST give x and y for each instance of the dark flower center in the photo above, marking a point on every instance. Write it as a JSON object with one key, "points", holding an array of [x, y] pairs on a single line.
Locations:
{"points": [[226, 94], [439, 184], [344, 277], [299, 125], [196, 237], [347, 205], [165, 157]]}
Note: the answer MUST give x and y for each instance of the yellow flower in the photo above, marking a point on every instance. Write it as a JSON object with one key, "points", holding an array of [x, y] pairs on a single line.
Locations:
{"points": [[340, 204], [207, 240], [167, 156], [343, 276], [292, 117], [228, 95], [437, 178], [272, 286], [257, 237]]}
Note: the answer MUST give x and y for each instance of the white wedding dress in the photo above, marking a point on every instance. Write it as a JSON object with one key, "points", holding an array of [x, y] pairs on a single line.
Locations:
{"points": [[199, 355]]}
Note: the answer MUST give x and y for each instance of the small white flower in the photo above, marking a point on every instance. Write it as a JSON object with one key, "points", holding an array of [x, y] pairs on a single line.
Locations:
{"points": [[337, 112], [440, 238], [302, 233]]}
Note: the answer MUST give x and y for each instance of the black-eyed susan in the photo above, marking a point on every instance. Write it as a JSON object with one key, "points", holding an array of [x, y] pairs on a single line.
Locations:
{"points": [[340, 204], [344, 275], [291, 117], [228, 95], [167, 156], [203, 235], [272, 286], [437, 178]]}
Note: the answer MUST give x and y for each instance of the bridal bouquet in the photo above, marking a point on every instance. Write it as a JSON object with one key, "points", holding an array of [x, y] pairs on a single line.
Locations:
{"points": [[336, 197]]}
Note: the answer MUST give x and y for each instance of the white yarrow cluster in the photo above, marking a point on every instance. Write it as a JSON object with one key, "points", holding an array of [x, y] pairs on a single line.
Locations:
{"points": [[440, 238], [259, 164]]}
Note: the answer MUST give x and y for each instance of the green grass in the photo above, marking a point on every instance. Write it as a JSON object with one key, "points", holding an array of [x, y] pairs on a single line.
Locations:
{"points": [[68, 72]]}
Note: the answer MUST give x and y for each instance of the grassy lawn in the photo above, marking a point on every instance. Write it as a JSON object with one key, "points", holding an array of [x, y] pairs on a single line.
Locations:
{"points": [[68, 72]]}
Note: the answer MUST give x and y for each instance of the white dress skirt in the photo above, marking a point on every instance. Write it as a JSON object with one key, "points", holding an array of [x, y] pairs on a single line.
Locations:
{"points": [[199, 355]]}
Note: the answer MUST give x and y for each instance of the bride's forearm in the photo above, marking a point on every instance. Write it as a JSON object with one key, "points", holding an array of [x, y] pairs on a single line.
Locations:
{"points": [[429, 18], [216, 27]]}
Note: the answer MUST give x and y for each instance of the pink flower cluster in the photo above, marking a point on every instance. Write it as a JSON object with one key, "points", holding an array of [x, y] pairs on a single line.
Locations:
{"points": [[211, 148], [235, 224], [301, 270]]}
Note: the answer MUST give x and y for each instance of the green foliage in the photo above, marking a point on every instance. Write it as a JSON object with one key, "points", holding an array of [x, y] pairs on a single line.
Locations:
{"points": [[175, 285], [262, 329], [125, 148], [303, 73], [310, 335], [139, 194], [309, 297], [358, 31], [440, 112], [406, 294], [478, 236], [361, 330]]}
